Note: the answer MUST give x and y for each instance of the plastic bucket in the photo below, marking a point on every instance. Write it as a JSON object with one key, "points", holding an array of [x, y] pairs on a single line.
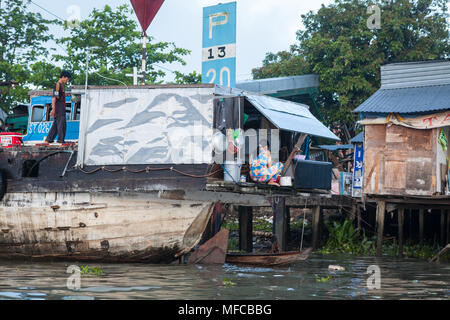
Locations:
{"points": [[232, 171], [286, 181]]}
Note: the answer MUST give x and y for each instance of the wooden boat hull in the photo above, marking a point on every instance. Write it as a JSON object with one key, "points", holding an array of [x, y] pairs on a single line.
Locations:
{"points": [[107, 227], [268, 259]]}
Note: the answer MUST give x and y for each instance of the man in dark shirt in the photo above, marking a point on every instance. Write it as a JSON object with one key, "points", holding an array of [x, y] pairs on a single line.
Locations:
{"points": [[59, 109]]}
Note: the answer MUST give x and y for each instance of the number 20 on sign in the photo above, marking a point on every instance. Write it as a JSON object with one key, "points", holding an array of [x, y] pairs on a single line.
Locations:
{"points": [[219, 45]]}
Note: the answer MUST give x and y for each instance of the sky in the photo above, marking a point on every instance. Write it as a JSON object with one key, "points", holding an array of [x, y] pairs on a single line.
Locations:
{"points": [[262, 26]]}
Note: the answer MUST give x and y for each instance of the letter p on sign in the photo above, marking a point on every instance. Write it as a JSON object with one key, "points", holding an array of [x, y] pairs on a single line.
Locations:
{"points": [[214, 20]]}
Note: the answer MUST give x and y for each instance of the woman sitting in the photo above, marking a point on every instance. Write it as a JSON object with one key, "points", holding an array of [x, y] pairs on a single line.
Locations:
{"points": [[261, 168]]}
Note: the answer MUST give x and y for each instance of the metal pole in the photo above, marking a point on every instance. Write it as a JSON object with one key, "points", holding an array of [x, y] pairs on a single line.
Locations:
{"points": [[144, 53], [85, 95]]}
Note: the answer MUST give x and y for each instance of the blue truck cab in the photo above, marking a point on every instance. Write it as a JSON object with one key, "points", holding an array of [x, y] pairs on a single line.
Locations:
{"points": [[40, 121]]}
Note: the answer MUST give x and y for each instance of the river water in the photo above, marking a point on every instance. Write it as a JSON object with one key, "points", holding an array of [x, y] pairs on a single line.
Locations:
{"points": [[399, 279]]}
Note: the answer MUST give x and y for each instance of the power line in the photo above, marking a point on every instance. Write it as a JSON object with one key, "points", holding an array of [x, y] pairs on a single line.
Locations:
{"points": [[47, 11], [51, 13]]}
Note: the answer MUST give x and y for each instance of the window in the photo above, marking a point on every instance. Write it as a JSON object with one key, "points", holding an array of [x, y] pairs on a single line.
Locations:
{"points": [[68, 110], [49, 109], [37, 114]]}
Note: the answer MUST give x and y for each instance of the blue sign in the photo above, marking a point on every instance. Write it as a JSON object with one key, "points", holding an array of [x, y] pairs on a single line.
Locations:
{"points": [[358, 166], [219, 45]]}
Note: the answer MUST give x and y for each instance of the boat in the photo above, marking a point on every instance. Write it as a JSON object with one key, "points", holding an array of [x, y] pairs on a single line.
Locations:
{"points": [[268, 259], [132, 186]]}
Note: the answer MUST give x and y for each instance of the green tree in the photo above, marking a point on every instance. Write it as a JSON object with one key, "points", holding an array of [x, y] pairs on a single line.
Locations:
{"points": [[191, 78], [337, 45], [118, 40], [23, 36]]}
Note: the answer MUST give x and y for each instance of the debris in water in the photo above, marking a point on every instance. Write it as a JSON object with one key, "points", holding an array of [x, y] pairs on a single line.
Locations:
{"points": [[335, 268]]}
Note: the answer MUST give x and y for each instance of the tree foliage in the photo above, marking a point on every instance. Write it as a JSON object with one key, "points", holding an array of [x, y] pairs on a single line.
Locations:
{"points": [[23, 36], [27, 51], [337, 45], [119, 48]]}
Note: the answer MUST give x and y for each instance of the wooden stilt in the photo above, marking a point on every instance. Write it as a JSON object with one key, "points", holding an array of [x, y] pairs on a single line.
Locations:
{"points": [[315, 226], [246, 228], [401, 219], [421, 223], [381, 208], [288, 225], [448, 226], [280, 221], [410, 216], [358, 214], [353, 213], [442, 233]]}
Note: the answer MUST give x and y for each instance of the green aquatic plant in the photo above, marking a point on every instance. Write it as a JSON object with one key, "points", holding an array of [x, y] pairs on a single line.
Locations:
{"points": [[323, 279], [228, 282], [86, 270], [342, 235], [233, 244], [262, 225], [345, 238], [231, 225]]}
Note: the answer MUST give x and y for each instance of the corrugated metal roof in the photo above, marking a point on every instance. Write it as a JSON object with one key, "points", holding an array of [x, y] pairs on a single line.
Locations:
{"points": [[359, 138], [272, 85], [408, 100], [415, 74], [290, 116]]}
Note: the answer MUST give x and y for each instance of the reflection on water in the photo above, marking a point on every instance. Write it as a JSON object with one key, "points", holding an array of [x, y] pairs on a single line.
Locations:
{"points": [[400, 279]]}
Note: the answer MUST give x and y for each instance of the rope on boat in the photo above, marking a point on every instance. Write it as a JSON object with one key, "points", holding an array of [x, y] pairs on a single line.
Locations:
{"points": [[147, 170]]}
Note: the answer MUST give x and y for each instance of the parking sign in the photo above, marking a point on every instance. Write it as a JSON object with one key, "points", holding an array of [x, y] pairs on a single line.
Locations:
{"points": [[219, 45]]}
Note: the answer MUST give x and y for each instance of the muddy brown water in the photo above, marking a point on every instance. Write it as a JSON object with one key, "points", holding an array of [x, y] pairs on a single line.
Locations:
{"points": [[399, 279]]}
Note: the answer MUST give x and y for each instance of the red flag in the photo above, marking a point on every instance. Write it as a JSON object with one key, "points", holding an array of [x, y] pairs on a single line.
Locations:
{"points": [[146, 10]]}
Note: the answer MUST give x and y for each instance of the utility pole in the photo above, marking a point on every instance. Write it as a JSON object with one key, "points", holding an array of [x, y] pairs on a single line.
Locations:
{"points": [[144, 56]]}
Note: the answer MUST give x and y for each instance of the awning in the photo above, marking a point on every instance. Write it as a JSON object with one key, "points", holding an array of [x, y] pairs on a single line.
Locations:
{"points": [[290, 116], [358, 138], [336, 147]]}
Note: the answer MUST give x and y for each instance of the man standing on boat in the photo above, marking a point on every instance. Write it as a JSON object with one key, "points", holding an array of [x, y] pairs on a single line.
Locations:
{"points": [[59, 109]]}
